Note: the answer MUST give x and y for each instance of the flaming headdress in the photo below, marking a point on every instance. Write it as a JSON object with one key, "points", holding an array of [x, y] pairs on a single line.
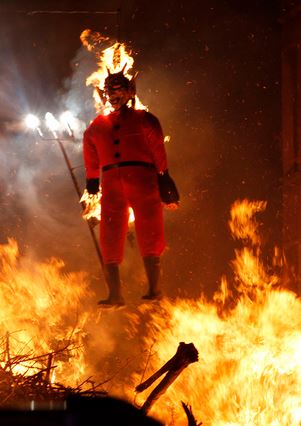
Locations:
{"points": [[114, 63]]}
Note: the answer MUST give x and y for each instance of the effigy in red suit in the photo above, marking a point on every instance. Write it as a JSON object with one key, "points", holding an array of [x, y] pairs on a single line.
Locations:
{"points": [[127, 149]]}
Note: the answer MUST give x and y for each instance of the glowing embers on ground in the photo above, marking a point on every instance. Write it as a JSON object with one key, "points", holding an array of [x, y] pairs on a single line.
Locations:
{"points": [[249, 369], [39, 314]]}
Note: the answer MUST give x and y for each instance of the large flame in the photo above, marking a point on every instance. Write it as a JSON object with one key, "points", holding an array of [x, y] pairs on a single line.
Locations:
{"points": [[40, 314], [248, 339], [249, 372]]}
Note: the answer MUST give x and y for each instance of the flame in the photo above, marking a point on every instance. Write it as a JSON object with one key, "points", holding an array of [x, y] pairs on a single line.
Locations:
{"points": [[92, 207], [249, 369], [241, 224], [40, 314], [91, 39], [248, 338], [69, 122], [52, 123], [114, 59], [33, 123]]}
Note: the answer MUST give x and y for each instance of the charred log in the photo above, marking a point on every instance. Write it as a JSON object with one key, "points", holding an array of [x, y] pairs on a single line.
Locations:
{"points": [[190, 417], [185, 355]]}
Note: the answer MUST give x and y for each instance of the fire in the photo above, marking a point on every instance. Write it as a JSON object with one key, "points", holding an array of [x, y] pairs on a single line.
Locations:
{"points": [[241, 224], [52, 123], [114, 59], [92, 206], [248, 338], [32, 122], [249, 369], [39, 314]]}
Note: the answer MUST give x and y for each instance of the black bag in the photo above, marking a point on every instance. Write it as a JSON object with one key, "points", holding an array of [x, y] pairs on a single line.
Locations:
{"points": [[167, 188]]}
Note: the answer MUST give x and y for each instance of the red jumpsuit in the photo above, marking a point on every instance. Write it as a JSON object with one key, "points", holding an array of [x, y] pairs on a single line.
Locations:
{"points": [[129, 145]]}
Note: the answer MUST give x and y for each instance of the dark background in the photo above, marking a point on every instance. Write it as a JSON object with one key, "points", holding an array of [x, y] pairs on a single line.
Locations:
{"points": [[209, 69]]}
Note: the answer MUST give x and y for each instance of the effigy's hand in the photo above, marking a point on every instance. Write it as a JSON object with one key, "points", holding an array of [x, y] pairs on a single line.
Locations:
{"points": [[91, 207], [167, 188], [92, 186]]}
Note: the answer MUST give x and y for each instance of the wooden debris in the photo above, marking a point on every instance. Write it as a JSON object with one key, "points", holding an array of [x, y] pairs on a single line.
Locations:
{"points": [[17, 390], [190, 417], [185, 355]]}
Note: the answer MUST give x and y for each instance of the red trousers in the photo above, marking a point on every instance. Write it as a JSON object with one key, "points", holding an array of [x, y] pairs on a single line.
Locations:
{"points": [[136, 187]]}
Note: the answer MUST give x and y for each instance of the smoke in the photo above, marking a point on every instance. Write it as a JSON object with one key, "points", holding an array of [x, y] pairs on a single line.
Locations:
{"points": [[76, 96]]}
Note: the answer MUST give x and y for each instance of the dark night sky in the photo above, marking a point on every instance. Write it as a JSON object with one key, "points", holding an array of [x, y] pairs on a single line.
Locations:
{"points": [[210, 70]]}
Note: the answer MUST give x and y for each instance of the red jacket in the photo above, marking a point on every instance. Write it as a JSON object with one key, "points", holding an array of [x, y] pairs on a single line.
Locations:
{"points": [[125, 135]]}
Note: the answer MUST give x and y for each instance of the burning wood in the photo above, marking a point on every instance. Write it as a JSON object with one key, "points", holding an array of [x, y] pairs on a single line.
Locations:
{"points": [[185, 355], [17, 389]]}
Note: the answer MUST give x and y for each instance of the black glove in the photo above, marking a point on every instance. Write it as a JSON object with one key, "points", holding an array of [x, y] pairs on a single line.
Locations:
{"points": [[92, 185], [167, 188]]}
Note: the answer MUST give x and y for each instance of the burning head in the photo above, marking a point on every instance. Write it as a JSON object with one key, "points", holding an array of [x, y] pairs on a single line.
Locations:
{"points": [[119, 89]]}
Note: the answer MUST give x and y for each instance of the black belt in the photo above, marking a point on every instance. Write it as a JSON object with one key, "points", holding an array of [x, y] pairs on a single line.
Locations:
{"points": [[127, 163]]}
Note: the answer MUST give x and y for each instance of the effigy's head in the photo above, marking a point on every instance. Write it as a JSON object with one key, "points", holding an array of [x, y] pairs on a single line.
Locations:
{"points": [[119, 89]]}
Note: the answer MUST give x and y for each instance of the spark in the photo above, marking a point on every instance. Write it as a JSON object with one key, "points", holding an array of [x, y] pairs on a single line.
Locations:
{"points": [[52, 123], [68, 121], [33, 123]]}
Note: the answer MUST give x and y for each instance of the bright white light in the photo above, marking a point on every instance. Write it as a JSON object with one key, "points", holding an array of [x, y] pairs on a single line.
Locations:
{"points": [[52, 123], [31, 121], [68, 121]]}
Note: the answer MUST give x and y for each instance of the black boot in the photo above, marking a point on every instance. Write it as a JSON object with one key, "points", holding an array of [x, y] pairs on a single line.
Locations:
{"points": [[111, 271], [153, 273]]}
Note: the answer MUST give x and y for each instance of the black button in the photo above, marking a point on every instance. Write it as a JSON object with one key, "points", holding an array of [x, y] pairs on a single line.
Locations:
{"points": [[117, 155], [116, 142], [116, 126]]}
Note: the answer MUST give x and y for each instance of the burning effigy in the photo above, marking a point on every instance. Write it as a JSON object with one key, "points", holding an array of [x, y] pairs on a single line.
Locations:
{"points": [[248, 370], [113, 59]]}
